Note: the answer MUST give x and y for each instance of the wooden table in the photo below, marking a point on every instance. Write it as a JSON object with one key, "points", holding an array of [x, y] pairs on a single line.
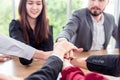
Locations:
{"points": [[14, 68], [103, 52]]}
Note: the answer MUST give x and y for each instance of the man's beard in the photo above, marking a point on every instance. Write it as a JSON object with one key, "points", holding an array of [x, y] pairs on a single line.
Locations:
{"points": [[95, 13]]}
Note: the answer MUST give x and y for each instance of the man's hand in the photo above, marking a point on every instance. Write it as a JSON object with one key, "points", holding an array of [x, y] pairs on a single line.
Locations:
{"points": [[61, 48], [70, 54]]}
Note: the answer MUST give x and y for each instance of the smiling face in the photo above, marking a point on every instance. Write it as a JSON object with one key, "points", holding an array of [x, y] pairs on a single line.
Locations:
{"points": [[34, 8], [96, 7]]}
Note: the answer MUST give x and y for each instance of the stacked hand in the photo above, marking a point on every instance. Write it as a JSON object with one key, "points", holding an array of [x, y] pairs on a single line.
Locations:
{"points": [[64, 50], [69, 57], [4, 58]]}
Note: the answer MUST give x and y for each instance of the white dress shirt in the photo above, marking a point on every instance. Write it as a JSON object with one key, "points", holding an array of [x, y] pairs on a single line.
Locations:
{"points": [[98, 34], [13, 47]]}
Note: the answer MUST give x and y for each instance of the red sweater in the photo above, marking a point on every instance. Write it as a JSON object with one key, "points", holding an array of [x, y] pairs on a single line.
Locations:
{"points": [[75, 73]]}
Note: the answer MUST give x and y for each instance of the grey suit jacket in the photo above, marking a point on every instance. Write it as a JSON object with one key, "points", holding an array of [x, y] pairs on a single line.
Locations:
{"points": [[79, 29]]}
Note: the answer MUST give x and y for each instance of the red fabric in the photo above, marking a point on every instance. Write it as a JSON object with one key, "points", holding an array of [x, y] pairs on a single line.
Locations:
{"points": [[75, 73], [72, 73], [95, 76]]}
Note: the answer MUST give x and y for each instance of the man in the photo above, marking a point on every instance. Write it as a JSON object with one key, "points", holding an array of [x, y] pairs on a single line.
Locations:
{"points": [[90, 28], [105, 64]]}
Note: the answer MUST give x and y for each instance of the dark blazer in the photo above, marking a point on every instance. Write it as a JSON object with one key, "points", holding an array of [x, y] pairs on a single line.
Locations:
{"points": [[15, 32], [79, 29], [49, 71], [105, 64]]}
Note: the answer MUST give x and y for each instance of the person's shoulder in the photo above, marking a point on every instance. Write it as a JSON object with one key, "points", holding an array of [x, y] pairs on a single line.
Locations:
{"points": [[108, 15], [80, 11], [14, 22]]}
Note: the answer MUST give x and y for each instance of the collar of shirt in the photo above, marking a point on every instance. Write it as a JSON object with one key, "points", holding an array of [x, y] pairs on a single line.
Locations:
{"points": [[100, 22], [98, 34]]}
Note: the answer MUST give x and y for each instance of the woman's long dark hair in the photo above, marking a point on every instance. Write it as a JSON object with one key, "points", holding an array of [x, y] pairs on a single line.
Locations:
{"points": [[41, 30]]}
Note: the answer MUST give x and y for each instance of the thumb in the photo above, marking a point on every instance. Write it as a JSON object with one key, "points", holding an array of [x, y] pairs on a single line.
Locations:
{"points": [[79, 50]]}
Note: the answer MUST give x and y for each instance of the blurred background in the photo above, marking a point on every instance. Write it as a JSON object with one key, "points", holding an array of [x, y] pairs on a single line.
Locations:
{"points": [[58, 12]]}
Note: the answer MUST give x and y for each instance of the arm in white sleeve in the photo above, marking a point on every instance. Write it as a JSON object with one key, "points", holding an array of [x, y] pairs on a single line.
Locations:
{"points": [[13, 47]]}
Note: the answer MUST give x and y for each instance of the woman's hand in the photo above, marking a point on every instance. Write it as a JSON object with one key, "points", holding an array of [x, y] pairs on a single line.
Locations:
{"points": [[4, 58]]}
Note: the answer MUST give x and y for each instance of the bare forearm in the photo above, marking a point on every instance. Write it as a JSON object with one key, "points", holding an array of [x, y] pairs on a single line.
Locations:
{"points": [[39, 54]]}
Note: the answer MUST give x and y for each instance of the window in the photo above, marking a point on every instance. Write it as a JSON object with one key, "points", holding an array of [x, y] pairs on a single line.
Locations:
{"points": [[56, 13], [6, 15]]}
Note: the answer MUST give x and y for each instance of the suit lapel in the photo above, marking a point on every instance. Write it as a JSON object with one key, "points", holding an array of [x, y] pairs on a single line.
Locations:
{"points": [[106, 28], [89, 20]]}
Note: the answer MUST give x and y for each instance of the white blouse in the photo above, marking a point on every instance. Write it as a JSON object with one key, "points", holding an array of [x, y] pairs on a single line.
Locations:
{"points": [[13, 47]]}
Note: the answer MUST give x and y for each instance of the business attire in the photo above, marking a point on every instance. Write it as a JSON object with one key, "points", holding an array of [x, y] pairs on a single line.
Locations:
{"points": [[79, 29], [49, 71], [14, 47], [15, 32], [105, 64], [53, 66]]}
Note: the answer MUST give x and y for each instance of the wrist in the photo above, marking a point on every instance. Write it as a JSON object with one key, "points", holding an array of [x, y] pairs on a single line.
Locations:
{"points": [[39, 54], [62, 39], [57, 55]]}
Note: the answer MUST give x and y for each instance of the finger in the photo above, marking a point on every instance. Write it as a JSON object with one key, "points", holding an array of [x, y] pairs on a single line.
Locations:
{"points": [[75, 49], [3, 59], [67, 56], [73, 61], [79, 50], [7, 56], [71, 55]]}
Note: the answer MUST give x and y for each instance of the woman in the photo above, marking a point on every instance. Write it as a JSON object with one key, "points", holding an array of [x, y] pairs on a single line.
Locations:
{"points": [[32, 28]]}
